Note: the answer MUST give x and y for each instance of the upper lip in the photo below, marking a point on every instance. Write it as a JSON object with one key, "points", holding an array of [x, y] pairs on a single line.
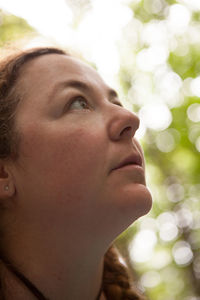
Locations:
{"points": [[135, 159]]}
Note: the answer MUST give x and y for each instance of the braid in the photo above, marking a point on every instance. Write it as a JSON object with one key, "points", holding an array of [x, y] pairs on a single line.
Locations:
{"points": [[116, 279]]}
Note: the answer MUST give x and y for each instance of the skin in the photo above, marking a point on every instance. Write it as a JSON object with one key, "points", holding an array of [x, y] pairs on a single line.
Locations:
{"points": [[66, 202]]}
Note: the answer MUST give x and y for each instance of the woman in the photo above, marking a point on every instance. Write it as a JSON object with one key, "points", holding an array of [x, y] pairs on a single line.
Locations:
{"points": [[71, 180]]}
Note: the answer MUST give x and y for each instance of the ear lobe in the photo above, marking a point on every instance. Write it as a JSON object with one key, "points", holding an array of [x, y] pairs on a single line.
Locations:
{"points": [[7, 187]]}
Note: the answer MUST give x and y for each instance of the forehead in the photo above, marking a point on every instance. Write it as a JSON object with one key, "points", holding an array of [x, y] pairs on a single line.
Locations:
{"points": [[48, 70]]}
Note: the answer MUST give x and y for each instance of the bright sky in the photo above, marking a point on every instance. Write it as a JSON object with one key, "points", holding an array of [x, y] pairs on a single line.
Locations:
{"points": [[96, 36]]}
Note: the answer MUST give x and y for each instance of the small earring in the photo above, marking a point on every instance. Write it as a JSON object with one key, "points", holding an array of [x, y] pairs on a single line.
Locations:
{"points": [[6, 188]]}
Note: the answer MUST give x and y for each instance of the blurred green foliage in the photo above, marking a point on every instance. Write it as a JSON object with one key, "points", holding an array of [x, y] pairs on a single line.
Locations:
{"points": [[12, 28], [187, 65]]}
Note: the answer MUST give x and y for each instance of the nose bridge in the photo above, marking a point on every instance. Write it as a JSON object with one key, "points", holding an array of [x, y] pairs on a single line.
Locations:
{"points": [[122, 123]]}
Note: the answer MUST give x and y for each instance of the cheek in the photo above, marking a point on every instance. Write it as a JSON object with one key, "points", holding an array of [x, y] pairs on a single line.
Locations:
{"points": [[65, 160], [77, 151]]}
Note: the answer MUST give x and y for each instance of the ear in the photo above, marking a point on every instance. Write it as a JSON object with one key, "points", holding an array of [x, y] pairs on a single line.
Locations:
{"points": [[7, 186]]}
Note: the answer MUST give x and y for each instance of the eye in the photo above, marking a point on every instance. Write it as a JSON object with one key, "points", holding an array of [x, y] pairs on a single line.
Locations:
{"points": [[78, 102]]}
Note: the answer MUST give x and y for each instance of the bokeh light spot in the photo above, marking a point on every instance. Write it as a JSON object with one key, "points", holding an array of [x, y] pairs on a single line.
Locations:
{"points": [[140, 252], [165, 141], [175, 192], [178, 18], [184, 217], [182, 253], [193, 111], [156, 116], [150, 279], [197, 144]]}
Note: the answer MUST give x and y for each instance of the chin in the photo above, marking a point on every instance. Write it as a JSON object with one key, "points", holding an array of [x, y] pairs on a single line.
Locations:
{"points": [[135, 202], [126, 205]]}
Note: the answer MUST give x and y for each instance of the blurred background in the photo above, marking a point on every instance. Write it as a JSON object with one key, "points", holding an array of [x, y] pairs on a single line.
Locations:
{"points": [[149, 51]]}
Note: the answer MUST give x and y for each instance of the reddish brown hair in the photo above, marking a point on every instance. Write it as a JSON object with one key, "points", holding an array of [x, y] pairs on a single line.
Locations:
{"points": [[9, 97]]}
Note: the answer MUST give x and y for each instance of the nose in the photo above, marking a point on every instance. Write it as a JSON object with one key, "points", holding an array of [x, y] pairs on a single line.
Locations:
{"points": [[122, 124]]}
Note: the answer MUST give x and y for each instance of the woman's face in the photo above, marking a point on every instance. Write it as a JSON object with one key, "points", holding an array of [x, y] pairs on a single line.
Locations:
{"points": [[78, 160]]}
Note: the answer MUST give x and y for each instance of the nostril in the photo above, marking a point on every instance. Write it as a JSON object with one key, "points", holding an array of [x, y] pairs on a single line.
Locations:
{"points": [[126, 130], [122, 124]]}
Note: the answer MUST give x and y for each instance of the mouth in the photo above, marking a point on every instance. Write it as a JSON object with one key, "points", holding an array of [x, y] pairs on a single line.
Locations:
{"points": [[134, 160]]}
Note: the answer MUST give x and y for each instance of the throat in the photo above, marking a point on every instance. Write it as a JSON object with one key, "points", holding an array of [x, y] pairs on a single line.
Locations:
{"points": [[26, 284]]}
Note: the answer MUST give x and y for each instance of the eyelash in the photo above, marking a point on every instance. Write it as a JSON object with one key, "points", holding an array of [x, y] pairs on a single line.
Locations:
{"points": [[81, 98]]}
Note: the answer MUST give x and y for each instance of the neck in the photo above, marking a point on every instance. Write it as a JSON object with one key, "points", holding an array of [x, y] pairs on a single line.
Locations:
{"points": [[72, 272]]}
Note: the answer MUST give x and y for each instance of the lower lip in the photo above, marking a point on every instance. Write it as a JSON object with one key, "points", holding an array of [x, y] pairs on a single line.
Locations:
{"points": [[130, 167]]}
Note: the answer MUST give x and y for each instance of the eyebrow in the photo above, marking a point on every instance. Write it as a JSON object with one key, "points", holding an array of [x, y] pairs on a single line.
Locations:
{"points": [[82, 86]]}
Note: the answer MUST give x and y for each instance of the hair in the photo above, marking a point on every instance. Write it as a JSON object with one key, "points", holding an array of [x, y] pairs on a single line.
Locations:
{"points": [[116, 281]]}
